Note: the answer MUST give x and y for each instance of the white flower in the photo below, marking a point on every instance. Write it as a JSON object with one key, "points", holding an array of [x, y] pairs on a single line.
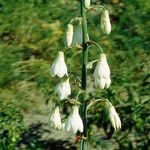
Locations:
{"points": [[102, 73], [59, 67], [69, 34], [77, 34], [74, 121], [87, 3], [105, 22], [63, 89], [114, 118], [55, 118]]}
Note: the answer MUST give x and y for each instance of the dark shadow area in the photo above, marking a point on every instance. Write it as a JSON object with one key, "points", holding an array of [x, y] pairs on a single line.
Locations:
{"points": [[32, 139]]}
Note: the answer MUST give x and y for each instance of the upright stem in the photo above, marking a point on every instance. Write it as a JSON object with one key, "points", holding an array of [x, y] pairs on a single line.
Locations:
{"points": [[83, 144]]}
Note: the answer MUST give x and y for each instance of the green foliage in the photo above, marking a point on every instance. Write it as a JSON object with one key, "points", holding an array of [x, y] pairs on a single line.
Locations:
{"points": [[32, 32], [11, 120]]}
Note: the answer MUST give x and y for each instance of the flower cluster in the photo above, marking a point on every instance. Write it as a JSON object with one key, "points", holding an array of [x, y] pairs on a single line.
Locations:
{"points": [[74, 36], [73, 122], [63, 90]]}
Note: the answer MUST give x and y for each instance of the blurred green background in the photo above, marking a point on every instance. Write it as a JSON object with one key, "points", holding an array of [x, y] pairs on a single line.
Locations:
{"points": [[31, 34]]}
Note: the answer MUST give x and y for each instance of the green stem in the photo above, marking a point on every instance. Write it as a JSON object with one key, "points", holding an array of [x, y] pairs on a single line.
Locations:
{"points": [[83, 144], [93, 42]]}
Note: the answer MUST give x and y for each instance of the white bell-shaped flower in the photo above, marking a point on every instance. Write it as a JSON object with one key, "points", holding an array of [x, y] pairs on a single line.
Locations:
{"points": [[87, 3], [55, 119], [74, 121], [102, 73], [59, 67], [63, 89], [77, 34], [69, 35], [114, 118], [105, 22]]}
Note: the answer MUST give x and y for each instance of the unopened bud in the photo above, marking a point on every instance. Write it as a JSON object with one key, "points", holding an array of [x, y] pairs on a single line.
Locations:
{"points": [[87, 3], [69, 34], [105, 22]]}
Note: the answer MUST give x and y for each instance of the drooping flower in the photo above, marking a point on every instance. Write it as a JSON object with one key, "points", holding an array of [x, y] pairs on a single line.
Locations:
{"points": [[102, 73], [105, 22], [74, 121], [114, 118], [87, 3], [69, 34], [59, 67], [77, 33], [55, 118], [63, 89]]}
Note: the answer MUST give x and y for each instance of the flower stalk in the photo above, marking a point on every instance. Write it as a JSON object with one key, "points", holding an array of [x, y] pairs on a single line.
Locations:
{"points": [[77, 35], [83, 143]]}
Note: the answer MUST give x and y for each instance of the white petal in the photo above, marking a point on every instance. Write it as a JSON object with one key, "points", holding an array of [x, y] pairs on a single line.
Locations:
{"points": [[114, 118], [68, 124], [108, 81], [103, 70], [77, 34], [96, 73], [102, 83], [113, 122], [80, 123], [69, 34], [74, 124], [52, 72]]}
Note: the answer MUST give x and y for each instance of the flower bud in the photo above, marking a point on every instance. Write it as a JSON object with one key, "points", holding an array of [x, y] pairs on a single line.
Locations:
{"points": [[74, 121], [63, 89], [105, 22], [55, 119], [102, 73], [59, 67], [87, 3], [69, 34]]}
